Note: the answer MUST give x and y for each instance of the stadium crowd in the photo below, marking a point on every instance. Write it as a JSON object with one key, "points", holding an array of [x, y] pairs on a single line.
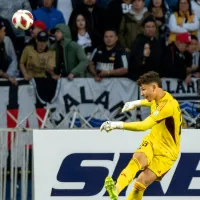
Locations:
{"points": [[101, 39]]}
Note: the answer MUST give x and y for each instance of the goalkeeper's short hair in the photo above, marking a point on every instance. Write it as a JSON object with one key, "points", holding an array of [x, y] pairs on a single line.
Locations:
{"points": [[150, 77]]}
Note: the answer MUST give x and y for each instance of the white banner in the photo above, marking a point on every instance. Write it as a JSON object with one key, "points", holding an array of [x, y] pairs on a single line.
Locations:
{"points": [[180, 90], [73, 164]]}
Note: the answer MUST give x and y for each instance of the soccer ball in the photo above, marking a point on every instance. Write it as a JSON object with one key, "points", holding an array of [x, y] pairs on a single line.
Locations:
{"points": [[22, 19]]}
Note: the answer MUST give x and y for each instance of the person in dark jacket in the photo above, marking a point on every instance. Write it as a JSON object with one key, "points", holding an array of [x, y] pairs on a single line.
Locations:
{"points": [[174, 62], [94, 14], [116, 9], [146, 54]]}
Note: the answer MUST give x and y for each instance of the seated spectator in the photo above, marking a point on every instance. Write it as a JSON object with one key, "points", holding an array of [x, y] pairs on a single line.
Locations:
{"points": [[147, 52], [71, 60], [48, 14], [131, 24], [93, 13], [8, 58], [116, 10], [183, 20], [37, 27], [193, 58], [82, 34], [196, 9], [108, 60], [38, 61], [174, 62], [161, 13]]}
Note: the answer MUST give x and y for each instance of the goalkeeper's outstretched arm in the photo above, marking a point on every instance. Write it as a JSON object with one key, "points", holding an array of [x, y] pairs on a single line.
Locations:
{"points": [[144, 125], [145, 102]]}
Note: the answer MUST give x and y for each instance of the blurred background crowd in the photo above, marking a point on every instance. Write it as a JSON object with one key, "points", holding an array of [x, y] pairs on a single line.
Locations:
{"points": [[101, 39]]}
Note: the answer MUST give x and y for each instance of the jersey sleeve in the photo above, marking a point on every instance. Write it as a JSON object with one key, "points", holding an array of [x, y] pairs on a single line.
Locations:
{"points": [[145, 102], [163, 111]]}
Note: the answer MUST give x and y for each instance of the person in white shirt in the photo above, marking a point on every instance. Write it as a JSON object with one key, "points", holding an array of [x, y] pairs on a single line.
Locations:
{"points": [[82, 34], [183, 20]]}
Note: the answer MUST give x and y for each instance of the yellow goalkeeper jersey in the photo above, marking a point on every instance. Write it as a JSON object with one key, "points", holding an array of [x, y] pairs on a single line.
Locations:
{"points": [[165, 122]]}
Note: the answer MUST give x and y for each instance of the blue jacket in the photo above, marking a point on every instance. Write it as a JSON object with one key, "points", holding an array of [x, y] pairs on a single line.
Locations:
{"points": [[51, 17]]}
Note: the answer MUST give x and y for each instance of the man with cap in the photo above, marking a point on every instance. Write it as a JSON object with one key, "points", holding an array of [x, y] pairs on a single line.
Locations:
{"points": [[37, 27], [174, 63], [37, 61], [8, 58]]}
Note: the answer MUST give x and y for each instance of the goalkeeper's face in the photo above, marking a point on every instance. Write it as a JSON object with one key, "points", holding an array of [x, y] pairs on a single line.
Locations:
{"points": [[148, 91]]}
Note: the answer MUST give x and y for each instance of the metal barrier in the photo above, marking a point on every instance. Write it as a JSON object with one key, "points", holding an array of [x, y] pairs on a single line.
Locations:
{"points": [[14, 162]]}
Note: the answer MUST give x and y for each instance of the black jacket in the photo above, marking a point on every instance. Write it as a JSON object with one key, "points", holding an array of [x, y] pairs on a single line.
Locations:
{"points": [[138, 63], [96, 18], [174, 63]]}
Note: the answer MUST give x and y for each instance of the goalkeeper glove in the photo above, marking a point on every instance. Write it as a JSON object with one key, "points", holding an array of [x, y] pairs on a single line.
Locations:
{"points": [[108, 126], [131, 105]]}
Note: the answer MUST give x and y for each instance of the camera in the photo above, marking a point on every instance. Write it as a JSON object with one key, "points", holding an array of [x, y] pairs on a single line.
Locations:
{"points": [[198, 109]]}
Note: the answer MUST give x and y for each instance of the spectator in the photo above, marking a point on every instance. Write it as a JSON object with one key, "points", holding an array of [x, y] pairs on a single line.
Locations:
{"points": [[48, 14], [82, 34], [147, 52], [71, 60], [108, 60], [183, 21], [192, 57], [161, 13], [196, 9], [131, 24], [9, 31], [94, 15], [116, 10], [37, 61], [8, 58], [174, 63], [37, 27]]}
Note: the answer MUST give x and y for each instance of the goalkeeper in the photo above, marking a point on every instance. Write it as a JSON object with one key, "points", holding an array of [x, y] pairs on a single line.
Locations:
{"points": [[159, 149]]}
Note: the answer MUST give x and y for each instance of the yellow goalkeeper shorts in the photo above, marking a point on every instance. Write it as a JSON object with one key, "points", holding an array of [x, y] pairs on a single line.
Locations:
{"points": [[159, 164]]}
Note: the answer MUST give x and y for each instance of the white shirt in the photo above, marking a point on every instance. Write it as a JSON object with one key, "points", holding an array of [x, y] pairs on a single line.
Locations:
{"points": [[186, 27], [84, 40]]}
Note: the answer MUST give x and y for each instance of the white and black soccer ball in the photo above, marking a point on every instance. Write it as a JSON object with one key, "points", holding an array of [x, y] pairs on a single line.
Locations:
{"points": [[22, 19]]}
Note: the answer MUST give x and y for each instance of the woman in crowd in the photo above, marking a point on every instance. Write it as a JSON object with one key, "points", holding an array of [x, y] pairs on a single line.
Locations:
{"points": [[82, 34], [183, 20]]}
